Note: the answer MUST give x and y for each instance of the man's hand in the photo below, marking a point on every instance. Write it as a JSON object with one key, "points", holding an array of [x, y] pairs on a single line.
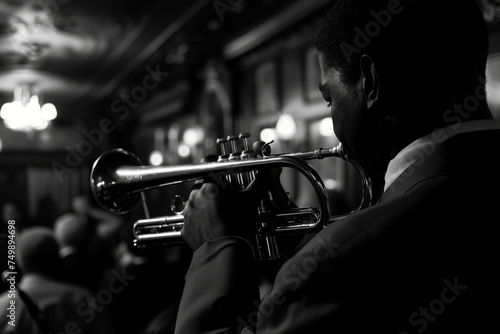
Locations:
{"points": [[213, 212]]}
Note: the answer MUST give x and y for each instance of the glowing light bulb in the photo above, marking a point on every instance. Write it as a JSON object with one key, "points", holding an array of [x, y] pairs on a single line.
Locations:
{"points": [[49, 112], [326, 127], [286, 127], [184, 150], [268, 134], [156, 158]]}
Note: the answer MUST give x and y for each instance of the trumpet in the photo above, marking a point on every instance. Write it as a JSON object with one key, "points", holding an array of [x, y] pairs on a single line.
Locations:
{"points": [[119, 180]]}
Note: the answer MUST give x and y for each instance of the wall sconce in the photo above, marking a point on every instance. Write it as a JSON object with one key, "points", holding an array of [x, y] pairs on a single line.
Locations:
{"points": [[25, 113]]}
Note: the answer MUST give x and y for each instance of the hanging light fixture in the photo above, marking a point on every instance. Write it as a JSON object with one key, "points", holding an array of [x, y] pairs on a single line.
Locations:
{"points": [[25, 113]]}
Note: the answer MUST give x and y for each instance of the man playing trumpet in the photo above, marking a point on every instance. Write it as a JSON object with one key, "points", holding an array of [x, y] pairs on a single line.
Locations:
{"points": [[406, 84]]}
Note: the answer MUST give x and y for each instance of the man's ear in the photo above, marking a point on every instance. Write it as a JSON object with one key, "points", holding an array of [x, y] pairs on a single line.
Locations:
{"points": [[370, 80]]}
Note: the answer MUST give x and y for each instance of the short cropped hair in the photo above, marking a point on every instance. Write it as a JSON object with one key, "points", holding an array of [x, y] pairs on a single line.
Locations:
{"points": [[70, 230], [445, 38], [38, 251]]}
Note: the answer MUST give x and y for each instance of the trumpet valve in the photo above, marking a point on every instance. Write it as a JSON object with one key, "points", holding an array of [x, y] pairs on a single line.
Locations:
{"points": [[236, 154], [247, 152], [222, 143]]}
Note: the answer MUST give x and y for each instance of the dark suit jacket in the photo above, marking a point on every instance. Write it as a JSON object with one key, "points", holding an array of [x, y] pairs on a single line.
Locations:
{"points": [[423, 260]]}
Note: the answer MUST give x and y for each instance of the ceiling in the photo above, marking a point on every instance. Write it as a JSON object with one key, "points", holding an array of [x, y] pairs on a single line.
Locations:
{"points": [[82, 55], [79, 53]]}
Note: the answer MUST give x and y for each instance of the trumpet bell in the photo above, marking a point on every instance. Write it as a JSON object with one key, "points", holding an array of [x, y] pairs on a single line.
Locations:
{"points": [[104, 186]]}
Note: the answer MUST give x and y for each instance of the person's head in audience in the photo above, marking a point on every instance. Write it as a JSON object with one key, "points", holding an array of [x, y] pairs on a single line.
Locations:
{"points": [[70, 231], [80, 204], [38, 252]]}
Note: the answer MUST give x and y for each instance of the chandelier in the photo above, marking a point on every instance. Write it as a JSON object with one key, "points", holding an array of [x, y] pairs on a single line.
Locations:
{"points": [[25, 113]]}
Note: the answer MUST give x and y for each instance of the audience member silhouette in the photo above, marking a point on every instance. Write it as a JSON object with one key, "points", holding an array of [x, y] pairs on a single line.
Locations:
{"points": [[80, 265], [63, 307], [156, 277]]}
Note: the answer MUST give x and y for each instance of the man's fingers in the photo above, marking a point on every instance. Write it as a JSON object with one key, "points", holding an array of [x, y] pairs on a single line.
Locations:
{"points": [[262, 183], [201, 193], [265, 181], [194, 191], [209, 190]]}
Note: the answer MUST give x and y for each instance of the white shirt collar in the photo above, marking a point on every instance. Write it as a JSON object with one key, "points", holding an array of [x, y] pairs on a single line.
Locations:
{"points": [[422, 146]]}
